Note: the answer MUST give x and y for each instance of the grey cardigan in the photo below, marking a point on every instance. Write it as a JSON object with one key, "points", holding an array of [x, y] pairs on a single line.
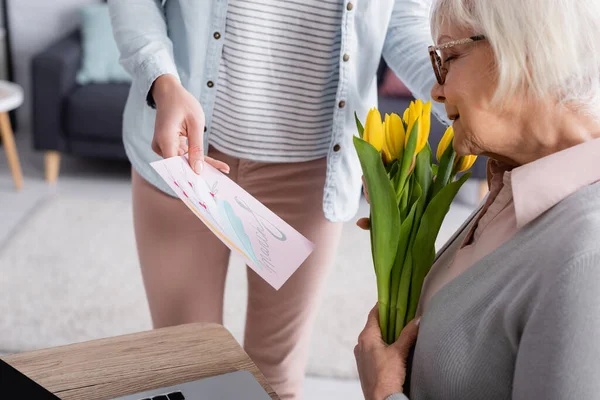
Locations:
{"points": [[523, 323]]}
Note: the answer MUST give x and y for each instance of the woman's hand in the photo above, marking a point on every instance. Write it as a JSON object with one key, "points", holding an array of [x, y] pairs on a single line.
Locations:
{"points": [[382, 367], [179, 125], [364, 223]]}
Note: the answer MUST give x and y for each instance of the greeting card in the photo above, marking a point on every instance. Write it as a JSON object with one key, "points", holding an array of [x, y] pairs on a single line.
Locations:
{"points": [[271, 247]]}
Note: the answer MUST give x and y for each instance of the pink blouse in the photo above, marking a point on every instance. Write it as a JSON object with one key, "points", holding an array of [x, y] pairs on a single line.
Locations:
{"points": [[516, 198]]}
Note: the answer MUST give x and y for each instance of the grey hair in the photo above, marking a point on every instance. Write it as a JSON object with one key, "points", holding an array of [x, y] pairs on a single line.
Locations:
{"points": [[547, 47]]}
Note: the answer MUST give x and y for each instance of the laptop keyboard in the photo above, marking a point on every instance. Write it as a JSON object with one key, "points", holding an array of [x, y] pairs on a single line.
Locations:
{"points": [[170, 396]]}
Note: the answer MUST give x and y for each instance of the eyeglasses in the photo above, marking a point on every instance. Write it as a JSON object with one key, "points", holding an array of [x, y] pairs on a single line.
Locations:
{"points": [[436, 60]]}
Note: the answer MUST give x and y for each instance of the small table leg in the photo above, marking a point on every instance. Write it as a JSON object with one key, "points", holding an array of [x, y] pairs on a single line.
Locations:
{"points": [[52, 161], [11, 150]]}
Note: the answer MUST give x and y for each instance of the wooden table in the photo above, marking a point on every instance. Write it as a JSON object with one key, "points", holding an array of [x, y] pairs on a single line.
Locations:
{"points": [[107, 368]]}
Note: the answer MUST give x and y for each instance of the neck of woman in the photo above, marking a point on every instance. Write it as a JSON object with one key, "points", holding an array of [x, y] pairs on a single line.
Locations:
{"points": [[548, 130]]}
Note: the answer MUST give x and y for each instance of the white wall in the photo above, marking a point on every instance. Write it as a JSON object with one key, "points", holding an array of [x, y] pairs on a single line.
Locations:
{"points": [[34, 24]]}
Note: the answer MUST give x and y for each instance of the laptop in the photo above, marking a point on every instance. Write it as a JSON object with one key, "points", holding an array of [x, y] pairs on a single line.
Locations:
{"points": [[233, 386], [15, 385]]}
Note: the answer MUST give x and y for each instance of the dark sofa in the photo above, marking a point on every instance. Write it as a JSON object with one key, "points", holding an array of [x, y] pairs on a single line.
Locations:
{"points": [[68, 118]]}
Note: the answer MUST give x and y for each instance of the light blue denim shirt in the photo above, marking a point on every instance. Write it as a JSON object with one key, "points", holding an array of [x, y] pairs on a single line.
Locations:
{"points": [[177, 37]]}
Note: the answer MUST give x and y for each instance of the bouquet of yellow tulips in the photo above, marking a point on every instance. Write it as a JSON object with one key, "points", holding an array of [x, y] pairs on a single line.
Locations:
{"points": [[410, 196]]}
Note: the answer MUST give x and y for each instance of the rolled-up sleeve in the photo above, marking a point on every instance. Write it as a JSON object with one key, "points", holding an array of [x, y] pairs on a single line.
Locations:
{"points": [[397, 396], [405, 49], [140, 30]]}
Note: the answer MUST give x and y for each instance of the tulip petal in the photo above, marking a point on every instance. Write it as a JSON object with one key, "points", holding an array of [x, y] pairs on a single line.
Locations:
{"points": [[465, 163], [443, 145], [397, 135], [412, 119], [406, 116], [388, 153], [424, 127], [374, 129]]}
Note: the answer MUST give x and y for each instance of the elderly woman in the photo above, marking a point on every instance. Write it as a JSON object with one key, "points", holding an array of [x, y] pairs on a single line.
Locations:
{"points": [[511, 308]]}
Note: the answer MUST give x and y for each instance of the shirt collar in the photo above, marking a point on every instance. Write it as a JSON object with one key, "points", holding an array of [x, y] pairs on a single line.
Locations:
{"points": [[541, 184]]}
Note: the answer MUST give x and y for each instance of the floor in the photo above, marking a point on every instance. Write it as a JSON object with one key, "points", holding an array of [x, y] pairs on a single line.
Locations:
{"points": [[84, 177]]}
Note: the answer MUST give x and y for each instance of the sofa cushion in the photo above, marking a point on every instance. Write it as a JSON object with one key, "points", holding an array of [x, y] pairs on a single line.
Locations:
{"points": [[95, 111], [100, 62]]}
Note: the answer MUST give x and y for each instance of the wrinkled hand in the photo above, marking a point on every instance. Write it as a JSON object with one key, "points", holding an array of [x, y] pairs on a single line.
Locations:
{"points": [[364, 223], [382, 367], [179, 125]]}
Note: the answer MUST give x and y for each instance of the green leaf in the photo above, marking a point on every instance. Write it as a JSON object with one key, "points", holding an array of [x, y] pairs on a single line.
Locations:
{"points": [[423, 249], [392, 169], [414, 194], [359, 126], [385, 222], [423, 172], [403, 202], [445, 169], [430, 152], [408, 156], [404, 294], [434, 169], [401, 276], [424, 176]]}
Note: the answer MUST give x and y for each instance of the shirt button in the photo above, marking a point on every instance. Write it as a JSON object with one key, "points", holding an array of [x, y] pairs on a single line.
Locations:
{"points": [[342, 104], [349, 6], [336, 148], [346, 57], [217, 35], [210, 84]]}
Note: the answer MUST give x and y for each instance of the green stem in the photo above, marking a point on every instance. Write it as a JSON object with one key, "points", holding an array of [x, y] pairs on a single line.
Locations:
{"points": [[383, 297], [417, 279], [384, 312], [404, 203], [393, 299], [396, 184], [404, 266], [394, 284], [403, 294]]}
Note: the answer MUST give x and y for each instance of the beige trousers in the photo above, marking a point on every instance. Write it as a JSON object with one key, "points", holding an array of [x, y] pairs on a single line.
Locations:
{"points": [[184, 264]]}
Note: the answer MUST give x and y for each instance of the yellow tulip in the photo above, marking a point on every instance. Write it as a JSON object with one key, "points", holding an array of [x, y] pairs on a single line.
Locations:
{"points": [[464, 163], [417, 111], [373, 132], [387, 152], [394, 137], [424, 127], [445, 142], [414, 112]]}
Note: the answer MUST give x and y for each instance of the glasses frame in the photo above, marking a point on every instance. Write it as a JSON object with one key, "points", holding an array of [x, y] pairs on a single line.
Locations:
{"points": [[436, 60]]}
